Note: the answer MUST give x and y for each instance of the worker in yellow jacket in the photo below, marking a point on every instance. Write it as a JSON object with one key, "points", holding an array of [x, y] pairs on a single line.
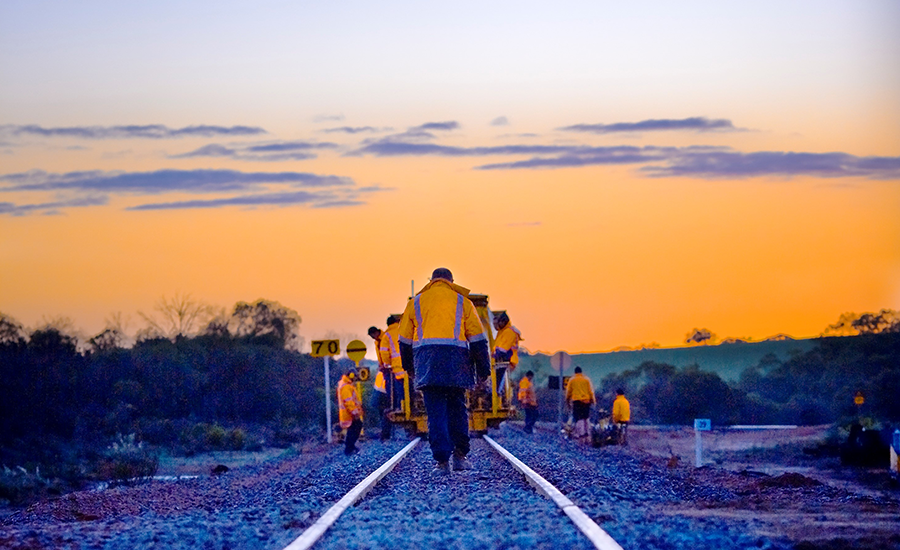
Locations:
{"points": [[350, 411], [381, 398], [528, 400], [621, 415], [389, 354], [580, 394], [506, 348], [440, 338]]}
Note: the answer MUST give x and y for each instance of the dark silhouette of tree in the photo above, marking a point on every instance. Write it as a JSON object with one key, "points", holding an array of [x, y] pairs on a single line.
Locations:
{"points": [[700, 336], [851, 324], [267, 318], [178, 316]]}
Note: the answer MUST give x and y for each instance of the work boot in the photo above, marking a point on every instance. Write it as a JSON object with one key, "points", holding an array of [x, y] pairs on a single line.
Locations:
{"points": [[441, 469], [460, 462]]}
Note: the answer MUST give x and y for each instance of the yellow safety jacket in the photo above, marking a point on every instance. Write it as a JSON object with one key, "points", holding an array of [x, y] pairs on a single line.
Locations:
{"points": [[380, 385], [439, 328], [389, 350], [580, 389], [527, 396], [506, 345], [621, 411], [349, 404]]}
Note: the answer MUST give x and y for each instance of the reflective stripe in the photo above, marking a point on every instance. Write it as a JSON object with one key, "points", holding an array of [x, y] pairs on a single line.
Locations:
{"points": [[405, 340], [478, 338], [393, 346], [441, 342], [459, 316], [419, 328], [502, 350]]}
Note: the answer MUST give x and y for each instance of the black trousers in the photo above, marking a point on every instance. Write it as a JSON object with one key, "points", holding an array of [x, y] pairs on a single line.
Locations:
{"points": [[581, 410], [352, 435]]}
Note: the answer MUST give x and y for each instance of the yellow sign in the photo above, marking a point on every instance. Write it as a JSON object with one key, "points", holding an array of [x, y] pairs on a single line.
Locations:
{"points": [[364, 374], [325, 348], [356, 350]]}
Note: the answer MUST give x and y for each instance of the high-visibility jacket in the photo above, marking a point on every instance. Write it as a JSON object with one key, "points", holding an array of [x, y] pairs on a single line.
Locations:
{"points": [[389, 350], [349, 404], [506, 345], [380, 385], [621, 411], [527, 397], [441, 335], [580, 389], [381, 364]]}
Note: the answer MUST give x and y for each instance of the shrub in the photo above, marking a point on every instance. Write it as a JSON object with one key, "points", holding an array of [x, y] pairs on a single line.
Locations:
{"points": [[127, 460]]}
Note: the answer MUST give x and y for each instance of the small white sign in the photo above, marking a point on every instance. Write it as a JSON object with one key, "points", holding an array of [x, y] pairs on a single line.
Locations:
{"points": [[702, 424]]}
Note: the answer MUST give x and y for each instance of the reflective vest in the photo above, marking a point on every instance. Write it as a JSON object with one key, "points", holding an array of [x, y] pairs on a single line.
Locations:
{"points": [[389, 350], [506, 346], [580, 389], [527, 396], [621, 411], [379, 382], [349, 404], [441, 324]]}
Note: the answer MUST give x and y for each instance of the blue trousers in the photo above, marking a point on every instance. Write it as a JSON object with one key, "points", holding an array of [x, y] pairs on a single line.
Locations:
{"points": [[448, 421]]}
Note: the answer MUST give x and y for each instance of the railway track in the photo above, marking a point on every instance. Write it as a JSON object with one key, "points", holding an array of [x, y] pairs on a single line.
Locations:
{"points": [[500, 503]]}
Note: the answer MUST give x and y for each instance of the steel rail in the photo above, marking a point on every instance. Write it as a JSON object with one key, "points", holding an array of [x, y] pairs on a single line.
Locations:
{"points": [[315, 531], [598, 537]]}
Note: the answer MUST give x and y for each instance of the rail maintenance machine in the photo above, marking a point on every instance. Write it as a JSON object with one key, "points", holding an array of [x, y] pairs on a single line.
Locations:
{"points": [[487, 406]]}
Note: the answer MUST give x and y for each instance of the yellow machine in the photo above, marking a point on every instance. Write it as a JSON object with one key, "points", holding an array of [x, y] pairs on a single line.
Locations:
{"points": [[487, 407]]}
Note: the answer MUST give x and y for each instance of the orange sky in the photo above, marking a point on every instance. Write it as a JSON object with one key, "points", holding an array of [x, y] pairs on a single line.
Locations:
{"points": [[745, 240]]}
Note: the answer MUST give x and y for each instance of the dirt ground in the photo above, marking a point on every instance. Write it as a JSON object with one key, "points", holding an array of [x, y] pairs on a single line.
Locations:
{"points": [[779, 489]]}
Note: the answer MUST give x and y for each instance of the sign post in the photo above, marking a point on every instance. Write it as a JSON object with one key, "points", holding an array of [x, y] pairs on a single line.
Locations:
{"points": [[325, 349], [700, 425], [561, 361], [356, 350]]}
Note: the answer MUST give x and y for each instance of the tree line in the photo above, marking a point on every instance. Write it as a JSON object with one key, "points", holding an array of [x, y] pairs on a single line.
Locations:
{"points": [[816, 387]]}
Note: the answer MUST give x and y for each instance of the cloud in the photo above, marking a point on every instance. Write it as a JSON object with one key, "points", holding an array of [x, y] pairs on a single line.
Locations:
{"points": [[263, 199], [242, 189], [588, 156], [150, 131], [328, 118], [355, 130], [388, 147], [443, 126], [701, 124], [164, 181], [270, 152], [523, 224], [50, 207], [733, 164], [500, 121]]}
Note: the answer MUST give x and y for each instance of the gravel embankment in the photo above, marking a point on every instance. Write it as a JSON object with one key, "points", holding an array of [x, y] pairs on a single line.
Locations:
{"points": [[488, 507], [265, 506], [640, 502]]}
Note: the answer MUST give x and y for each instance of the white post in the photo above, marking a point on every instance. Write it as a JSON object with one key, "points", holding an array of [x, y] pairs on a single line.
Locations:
{"points": [[698, 449], [327, 399]]}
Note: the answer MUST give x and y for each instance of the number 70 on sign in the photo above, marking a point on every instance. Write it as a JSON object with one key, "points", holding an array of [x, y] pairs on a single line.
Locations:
{"points": [[325, 348]]}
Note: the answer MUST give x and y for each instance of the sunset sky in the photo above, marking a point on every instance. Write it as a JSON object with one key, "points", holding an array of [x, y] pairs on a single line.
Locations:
{"points": [[612, 174]]}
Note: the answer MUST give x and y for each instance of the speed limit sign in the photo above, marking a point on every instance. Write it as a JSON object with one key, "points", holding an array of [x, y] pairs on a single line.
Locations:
{"points": [[325, 348]]}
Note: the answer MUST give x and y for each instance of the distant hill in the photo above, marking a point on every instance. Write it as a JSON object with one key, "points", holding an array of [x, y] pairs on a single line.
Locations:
{"points": [[726, 360]]}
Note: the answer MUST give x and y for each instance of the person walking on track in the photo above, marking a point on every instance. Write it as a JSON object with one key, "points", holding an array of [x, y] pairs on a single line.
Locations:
{"points": [[580, 393], [441, 337], [528, 400], [350, 411]]}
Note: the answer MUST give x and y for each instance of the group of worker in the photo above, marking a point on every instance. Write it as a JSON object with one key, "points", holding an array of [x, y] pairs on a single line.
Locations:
{"points": [[580, 396], [439, 346]]}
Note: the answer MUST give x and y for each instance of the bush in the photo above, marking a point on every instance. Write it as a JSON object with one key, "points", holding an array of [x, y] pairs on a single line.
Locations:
{"points": [[127, 460]]}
